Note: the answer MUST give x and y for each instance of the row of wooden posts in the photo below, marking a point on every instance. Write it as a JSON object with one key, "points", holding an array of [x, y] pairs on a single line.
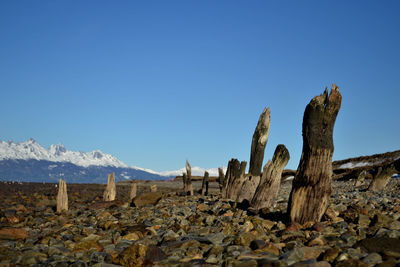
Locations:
{"points": [[109, 193], [311, 186]]}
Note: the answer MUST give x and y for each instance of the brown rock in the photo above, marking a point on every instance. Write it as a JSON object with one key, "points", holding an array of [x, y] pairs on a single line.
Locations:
{"points": [[385, 245], [352, 263], [311, 252], [150, 198], [331, 254], [13, 233], [141, 255]]}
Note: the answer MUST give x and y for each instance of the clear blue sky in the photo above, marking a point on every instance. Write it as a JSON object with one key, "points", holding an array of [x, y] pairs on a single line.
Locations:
{"points": [[157, 82]]}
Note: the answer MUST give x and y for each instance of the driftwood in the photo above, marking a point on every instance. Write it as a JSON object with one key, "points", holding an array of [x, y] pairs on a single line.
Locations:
{"points": [[153, 188], [62, 196], [221, 178], [232, 172], [311, 187], [204, 185], [268, 187], [248, 187], [236, 179], [184, 179], [111, 191], [133, 191], [359, 176], [189, 187], [259, 142], [382, 176]]}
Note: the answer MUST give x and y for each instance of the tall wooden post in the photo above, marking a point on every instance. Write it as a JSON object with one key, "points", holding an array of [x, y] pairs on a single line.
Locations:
{"points": [[189, 186], [184, 179], [204, 185], [62, 196], [268, 188], [232, 172], [236, 179], [221, 178], [259, 142], [312, 184], [111, 191], [133, 191]]}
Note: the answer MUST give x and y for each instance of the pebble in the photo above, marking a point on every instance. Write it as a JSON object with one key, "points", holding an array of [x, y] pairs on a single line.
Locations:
{"points": [[360, 228]]}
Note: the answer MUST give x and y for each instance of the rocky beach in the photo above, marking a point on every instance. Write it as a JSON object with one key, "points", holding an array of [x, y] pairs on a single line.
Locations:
{"points": [[167, 228]]}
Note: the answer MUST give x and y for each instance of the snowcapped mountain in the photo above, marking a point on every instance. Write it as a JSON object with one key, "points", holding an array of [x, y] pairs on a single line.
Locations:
{"points": [[30, 162], [57, 153]]}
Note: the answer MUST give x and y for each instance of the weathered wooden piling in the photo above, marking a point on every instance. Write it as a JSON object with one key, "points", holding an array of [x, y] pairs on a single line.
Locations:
{"points": [[189, 187], [204, 185], [153, 188], [133, 190], [221, 178], [311, 187], [111, 191], [62, 196], [383, 174], [269, 185], [259, 141]]}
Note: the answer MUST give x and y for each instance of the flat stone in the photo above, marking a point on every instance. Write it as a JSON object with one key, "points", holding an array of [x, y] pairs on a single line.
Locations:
{"points": [[151, 198], [352, 263], [13, 233], [385, 245], [372, 259]]}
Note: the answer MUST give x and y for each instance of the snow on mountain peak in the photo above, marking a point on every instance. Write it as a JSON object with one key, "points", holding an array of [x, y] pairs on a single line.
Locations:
{"points": [[196, 171], [30, 149]]}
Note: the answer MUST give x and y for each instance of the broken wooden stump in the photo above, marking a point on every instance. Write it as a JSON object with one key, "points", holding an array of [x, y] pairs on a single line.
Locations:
{"points": [[62, 196], [221, 178], [311, 187], [184, 179], [133, 191], [204, 185], [359, 177], [110, 192], [249, 184], [189, 187], [259, 141], [235, 178], [231, 172], [153, 188], [269, 185], [381, 177]]}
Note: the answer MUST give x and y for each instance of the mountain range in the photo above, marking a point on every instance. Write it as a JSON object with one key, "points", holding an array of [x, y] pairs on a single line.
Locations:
{"points": [[30, 162]]}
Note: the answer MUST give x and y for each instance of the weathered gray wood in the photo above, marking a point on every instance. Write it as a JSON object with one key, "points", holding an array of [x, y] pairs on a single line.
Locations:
{"points": [[204, 185], [248, 187], [269, 185], [259, 141], [236, 180], [381, 177], [111, 191], [133, 190], [360, 178], [232, 172], [189, 187], [184, 179], [62, 196], [221, 178], [311, 187], [153, 188]]}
